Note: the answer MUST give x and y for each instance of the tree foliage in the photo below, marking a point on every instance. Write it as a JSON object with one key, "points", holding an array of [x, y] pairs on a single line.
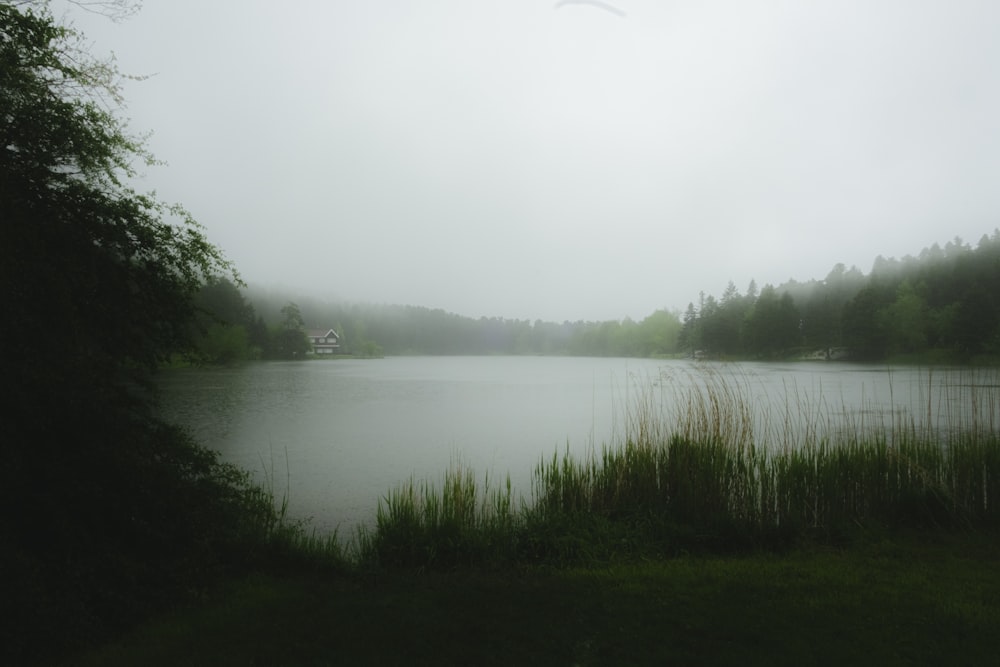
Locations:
{"points": [[419, 330], [227, 328], [772, 323], [943, 304], [98, 274], [100, 500]]}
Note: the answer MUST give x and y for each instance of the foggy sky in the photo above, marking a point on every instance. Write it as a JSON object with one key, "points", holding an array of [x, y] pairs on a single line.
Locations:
{"points": [[521, 159]]}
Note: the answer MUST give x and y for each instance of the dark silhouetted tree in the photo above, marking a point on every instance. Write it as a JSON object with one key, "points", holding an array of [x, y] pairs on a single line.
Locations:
{"points": [[224, 324], [289, 341], [100, 499], [772, 327]]}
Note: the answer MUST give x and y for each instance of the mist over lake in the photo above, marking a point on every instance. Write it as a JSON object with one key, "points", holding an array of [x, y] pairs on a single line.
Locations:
{"points": [[337, 435]]}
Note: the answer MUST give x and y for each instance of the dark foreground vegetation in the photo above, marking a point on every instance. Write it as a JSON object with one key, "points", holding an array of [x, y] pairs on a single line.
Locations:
{"points": [[930, 600], [105, 513], [690, 542], [124, 541]]}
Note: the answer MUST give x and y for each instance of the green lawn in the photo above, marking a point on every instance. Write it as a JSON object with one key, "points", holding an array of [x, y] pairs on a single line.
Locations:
{"points": [[931, 600]]}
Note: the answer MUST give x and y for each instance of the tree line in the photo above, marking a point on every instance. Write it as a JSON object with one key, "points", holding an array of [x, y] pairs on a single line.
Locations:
{"points": [[943, 304], [227, 328], [233, 325]]}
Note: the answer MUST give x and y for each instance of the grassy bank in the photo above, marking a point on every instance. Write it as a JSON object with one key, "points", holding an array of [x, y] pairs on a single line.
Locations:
{"points": [[715, 475], [913, 601]]}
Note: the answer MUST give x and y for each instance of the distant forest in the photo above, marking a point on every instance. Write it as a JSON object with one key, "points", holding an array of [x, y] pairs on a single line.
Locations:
{"points": [[943, 305]]}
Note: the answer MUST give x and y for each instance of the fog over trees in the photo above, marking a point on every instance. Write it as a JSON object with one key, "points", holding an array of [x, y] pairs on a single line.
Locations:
{"points": [[945, 302], [409, 329], [942, 303]]}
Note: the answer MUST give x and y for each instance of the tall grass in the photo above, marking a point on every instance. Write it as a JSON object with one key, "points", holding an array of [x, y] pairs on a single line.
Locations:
{"points": [[458, 523], [709, 462]]}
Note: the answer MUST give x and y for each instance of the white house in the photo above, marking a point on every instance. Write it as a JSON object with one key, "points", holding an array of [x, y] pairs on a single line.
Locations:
{"points": [[324, 341]]}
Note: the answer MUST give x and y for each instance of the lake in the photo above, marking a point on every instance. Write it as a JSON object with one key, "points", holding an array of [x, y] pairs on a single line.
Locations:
{"points": [[338, 434]]}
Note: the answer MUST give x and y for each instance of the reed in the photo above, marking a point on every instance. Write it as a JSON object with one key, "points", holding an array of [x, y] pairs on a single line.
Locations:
{"points": [[717, 459], [448, 525], [713, 465]]}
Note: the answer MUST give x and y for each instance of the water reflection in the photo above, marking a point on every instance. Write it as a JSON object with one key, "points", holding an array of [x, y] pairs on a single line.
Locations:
{"points": [[336, 435]]}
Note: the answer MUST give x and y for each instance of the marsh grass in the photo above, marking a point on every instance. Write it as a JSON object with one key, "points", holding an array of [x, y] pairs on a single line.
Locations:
{"points": [[712, 463], [457, 523]]}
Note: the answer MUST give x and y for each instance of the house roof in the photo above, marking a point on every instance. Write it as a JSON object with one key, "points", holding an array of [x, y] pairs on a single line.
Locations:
{"points": [[322, 333]]}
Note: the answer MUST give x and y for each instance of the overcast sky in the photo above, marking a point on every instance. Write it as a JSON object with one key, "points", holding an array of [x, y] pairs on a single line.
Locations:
{"points": [[524, 159]]}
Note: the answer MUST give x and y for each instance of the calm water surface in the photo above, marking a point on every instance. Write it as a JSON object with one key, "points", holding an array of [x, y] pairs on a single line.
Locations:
{"points": [[338, 434]]}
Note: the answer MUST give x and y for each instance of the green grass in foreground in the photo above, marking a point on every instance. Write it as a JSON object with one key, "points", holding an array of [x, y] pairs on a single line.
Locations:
{"points": [[701, 539], [931, 599]]}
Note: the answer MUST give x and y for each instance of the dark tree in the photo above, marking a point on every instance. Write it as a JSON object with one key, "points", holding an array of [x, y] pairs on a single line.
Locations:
{"points": [[772, 328], [864, 330], [289, 341], [224, 325], [97, 275], [100, 500], [689, 338]]}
